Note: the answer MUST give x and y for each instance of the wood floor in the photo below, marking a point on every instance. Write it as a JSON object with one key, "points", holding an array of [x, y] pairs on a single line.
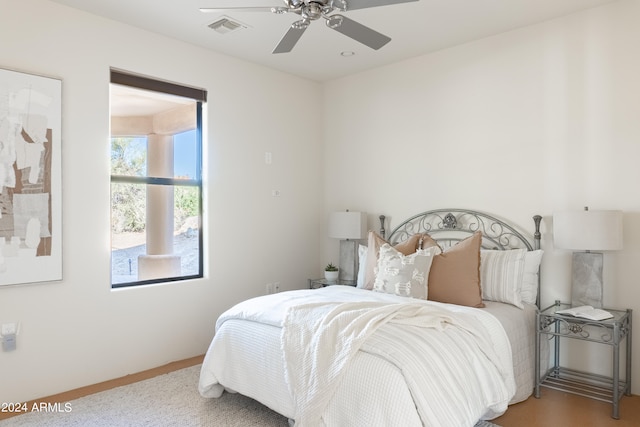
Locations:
{"points": [[554, 408]]}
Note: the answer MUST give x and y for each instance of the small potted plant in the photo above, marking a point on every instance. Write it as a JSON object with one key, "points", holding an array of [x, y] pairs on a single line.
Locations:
{"points": [[331, 273]]}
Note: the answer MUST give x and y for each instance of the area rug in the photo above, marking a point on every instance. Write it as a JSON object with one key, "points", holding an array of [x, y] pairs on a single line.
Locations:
{"points": [[164, 401]]}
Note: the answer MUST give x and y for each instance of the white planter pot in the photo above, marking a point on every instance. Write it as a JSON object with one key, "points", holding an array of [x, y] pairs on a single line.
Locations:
{"points": [[331, 276]]}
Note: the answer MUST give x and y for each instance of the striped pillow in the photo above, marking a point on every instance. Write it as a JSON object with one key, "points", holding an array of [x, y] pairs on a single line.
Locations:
{"points": [[501, 274]]}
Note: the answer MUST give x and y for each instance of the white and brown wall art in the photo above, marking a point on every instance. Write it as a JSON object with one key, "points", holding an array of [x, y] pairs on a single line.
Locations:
{"points": [[30, 181]]}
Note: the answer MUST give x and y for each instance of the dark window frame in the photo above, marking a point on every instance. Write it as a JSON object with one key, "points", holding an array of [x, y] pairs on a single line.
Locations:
{"points": [[200, 96]]}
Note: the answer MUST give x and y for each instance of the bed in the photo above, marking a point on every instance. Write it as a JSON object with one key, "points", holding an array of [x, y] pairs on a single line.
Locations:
{"points": [[382, 354]]}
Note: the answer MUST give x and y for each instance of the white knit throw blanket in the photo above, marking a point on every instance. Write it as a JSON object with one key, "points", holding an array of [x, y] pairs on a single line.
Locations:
{"points": [[320, 339]]}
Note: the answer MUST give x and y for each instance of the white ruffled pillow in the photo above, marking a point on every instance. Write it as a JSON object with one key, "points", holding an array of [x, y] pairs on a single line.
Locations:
{"points": [[404, 275], [362, 265], [529, 292]]}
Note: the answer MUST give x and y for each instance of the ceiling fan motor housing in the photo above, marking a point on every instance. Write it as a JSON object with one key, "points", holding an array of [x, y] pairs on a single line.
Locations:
{"points": [[299, 3], [312, 11]]}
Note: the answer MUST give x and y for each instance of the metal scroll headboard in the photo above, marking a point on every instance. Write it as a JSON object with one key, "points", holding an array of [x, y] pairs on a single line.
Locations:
{"points": [[449, 226]]}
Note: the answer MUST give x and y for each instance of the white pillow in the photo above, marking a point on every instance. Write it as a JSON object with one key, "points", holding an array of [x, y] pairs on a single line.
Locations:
{"points": [[362, 265], [404, 275], [501, 274], [529, 291]]}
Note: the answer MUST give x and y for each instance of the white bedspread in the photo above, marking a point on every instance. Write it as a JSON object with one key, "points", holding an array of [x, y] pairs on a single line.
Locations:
{"points": [[455, 361]]}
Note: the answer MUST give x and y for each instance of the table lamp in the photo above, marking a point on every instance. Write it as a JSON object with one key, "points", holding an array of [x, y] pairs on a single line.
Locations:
{"points": [[348, 227], [587, 231]]}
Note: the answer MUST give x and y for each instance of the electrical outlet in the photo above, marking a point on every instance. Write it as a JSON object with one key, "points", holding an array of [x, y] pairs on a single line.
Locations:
{"points": [[269, 288], [8, 342]]}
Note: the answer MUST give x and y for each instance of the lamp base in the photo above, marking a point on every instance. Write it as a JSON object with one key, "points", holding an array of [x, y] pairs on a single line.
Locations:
{"points": [[586, 279], [348, 260]]}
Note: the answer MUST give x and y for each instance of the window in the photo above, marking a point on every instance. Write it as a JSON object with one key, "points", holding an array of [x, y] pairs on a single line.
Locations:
{"points": [[156, 181]]}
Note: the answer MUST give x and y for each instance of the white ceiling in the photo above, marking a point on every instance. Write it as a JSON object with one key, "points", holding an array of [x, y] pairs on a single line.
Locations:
{"points": [[415, 28]]}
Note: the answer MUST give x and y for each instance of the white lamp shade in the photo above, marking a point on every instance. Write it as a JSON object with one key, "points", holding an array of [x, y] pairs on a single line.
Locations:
{"points": [[348, 225], [588, 230]]}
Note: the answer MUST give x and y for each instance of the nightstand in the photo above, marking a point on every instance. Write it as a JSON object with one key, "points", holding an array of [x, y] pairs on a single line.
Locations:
{"points": [[608, 332], [321, 283]]}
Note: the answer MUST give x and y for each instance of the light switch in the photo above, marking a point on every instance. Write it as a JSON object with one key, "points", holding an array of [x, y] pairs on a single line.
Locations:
{"points": [[9, 329]]}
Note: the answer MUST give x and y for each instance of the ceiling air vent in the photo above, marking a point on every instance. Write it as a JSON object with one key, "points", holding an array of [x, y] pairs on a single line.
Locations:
{"points": [[226, 25]]}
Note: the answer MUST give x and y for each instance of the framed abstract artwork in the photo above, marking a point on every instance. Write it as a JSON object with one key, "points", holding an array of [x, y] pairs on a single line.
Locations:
{"points": [[30, 178]]}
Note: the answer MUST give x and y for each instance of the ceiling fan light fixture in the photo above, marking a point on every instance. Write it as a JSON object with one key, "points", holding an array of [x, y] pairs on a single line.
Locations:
{"points": [[334, 21], [303, 24], [226, 25]]}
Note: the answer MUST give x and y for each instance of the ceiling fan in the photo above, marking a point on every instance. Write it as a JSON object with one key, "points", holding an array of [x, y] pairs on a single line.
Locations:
{"points": [[311, 10]]}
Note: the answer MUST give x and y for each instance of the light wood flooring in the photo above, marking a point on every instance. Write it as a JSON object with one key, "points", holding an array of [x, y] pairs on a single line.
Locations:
{"points": [[554, 408], [557, 408]]}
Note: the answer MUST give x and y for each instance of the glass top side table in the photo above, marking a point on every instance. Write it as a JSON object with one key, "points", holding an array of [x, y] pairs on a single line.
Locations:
{"points": [[608, 332]]}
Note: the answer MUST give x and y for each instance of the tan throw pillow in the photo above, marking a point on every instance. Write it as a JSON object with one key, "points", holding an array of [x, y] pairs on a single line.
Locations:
{"points": [[407, 247], [455, 274]]}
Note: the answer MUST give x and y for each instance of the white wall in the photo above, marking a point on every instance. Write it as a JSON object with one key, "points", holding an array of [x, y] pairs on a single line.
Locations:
{"points": [[78, 331], [527, 122]]}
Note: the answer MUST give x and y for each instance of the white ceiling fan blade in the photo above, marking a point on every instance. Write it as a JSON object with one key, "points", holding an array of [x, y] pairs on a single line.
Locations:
{"points": [[362, 4], [274, 9], [357, 31], [291, 37]]}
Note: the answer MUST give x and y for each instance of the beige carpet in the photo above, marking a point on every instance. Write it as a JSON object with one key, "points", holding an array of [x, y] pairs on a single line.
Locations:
{"points": [[167, 400]]}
